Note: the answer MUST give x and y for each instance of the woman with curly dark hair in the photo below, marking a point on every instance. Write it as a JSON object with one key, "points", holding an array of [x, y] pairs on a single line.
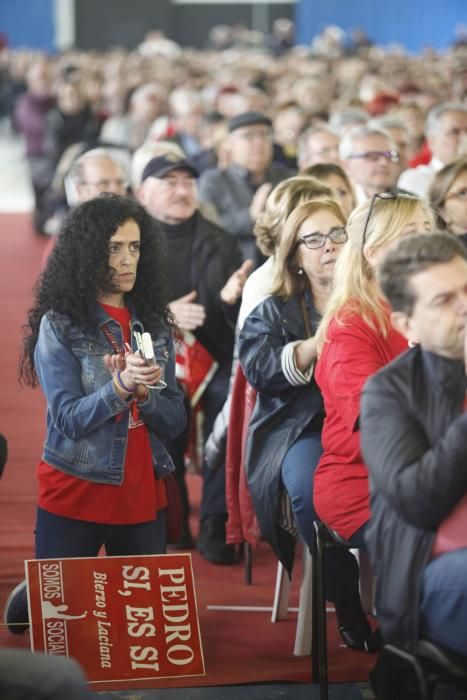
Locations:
{"points": [[101, 476]]}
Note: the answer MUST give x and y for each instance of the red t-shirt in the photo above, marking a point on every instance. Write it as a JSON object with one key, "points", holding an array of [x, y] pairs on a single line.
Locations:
{"points": [[354, 352], [140, 495]]}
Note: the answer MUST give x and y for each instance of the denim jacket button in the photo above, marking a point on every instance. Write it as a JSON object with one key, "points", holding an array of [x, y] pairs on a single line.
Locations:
{"points": [[91, 346]]}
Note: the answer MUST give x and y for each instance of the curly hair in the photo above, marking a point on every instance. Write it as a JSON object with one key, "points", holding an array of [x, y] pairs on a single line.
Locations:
{"points": [[78, 269]]}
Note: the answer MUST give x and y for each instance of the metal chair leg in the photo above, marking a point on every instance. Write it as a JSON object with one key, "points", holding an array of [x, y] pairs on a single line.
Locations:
{"points": [[322, 632], [314, 621], [248, 554]]}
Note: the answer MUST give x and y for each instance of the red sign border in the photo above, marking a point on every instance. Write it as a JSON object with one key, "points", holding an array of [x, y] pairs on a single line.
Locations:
{"points": [[125, 558]]}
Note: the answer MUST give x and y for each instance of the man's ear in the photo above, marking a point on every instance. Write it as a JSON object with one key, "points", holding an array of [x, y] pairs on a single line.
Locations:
{"points": [[401, 323], [140, 195]]}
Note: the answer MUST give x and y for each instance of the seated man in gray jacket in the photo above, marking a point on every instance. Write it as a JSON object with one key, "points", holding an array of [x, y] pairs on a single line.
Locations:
{"points": [[413, 427], [239, 192]]}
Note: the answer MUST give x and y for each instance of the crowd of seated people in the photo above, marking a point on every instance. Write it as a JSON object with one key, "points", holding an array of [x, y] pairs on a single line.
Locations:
{"points": [[302, 166]]}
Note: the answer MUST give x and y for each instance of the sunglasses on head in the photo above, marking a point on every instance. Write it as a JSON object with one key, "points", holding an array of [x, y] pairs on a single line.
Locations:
{"points": [[381, 195]]}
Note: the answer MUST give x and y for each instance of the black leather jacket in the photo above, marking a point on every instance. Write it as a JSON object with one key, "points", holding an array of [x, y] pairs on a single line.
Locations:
{"points": [[282, 411], [414, 441]]}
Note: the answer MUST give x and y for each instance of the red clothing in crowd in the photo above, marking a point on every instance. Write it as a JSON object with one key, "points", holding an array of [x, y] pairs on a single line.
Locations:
{"points": [[354, 351], [422, 157], [140, 495]]}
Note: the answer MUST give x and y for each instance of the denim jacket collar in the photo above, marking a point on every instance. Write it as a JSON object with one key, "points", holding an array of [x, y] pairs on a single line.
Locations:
{"points": [[103, 318]]}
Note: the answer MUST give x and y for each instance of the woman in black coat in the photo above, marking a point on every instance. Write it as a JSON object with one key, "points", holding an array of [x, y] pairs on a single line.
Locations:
{"points": [[277, 353]]}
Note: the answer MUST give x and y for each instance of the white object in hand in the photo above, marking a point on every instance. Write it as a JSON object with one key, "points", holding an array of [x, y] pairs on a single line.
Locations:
{"points": [[148, 354], [148, 350]]}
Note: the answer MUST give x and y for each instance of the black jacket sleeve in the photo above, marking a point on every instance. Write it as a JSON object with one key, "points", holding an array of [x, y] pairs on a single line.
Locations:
{"points": [[421, 481]]}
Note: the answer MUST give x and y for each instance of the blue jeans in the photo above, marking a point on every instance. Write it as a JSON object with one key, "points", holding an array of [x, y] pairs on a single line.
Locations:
{"points": [[57, 536], [443, 604], [298, 468]]}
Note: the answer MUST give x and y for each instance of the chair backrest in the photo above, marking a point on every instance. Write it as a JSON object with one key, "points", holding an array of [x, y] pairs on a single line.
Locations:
{"points": [[242, 525]]}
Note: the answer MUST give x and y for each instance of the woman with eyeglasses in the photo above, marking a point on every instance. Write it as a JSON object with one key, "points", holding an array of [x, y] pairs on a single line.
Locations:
{"points": [[278, 352], [448, 196], [354, 340]]}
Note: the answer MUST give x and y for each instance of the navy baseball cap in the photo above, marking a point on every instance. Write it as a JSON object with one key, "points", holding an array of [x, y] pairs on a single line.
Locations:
{"points": [[162, 165], [248, 119]]}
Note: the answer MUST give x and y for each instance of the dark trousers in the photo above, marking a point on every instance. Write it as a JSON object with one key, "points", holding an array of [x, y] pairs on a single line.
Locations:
{"points": [[443, 603], [57, 536], [213, 498], [176, 449]]}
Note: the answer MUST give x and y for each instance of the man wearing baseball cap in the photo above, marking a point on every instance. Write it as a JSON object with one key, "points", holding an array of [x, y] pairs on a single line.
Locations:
{"points": [[206, 277], [239, 192]]}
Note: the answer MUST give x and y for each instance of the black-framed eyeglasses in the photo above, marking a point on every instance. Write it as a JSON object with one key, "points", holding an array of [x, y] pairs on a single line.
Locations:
{"points": [[373, 156], [317, 240], [381, 195]]}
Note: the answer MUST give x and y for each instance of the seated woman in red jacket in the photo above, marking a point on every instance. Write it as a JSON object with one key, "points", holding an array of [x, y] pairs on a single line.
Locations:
{"points": [[354, 340]]}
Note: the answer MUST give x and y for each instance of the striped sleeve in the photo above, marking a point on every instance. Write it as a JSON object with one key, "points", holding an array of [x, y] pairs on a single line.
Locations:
{"points": [[291, 372]]}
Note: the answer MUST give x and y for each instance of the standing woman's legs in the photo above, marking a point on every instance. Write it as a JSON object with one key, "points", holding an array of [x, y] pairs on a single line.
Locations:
{"points": [[56, 537], [142, 538]]}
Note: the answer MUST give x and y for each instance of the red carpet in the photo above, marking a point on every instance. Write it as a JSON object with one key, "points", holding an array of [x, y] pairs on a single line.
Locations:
{"points": [[239, 647]]}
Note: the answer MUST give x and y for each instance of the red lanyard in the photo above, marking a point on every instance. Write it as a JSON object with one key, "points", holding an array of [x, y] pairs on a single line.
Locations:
{"points": [[112, 340]]}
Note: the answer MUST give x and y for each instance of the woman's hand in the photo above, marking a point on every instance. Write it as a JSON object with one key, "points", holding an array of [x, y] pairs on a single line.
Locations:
{"points": [[114, 363], [134, 374], [305, 354], [136, 371]]}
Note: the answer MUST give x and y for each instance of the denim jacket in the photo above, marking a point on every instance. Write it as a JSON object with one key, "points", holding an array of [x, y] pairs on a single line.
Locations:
{"points": [[84, 437]]}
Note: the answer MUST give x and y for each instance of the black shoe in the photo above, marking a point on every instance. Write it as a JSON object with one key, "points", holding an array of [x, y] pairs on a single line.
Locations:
{"points": [[3, 453], [185, 541], [398, 681], [211, 541], [352, 623], [15, 612], [373, 644]]}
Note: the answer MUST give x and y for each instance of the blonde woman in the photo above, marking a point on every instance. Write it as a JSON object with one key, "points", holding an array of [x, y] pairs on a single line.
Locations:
{"points": [[354, 340], [284, 198], [277, 352]]}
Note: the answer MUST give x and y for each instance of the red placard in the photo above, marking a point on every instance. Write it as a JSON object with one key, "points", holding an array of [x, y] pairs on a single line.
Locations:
{"points": [[121, 618]]}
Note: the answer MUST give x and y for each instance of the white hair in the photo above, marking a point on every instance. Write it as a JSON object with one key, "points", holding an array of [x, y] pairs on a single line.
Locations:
{"points": [[437, 113], [346, 146]]}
